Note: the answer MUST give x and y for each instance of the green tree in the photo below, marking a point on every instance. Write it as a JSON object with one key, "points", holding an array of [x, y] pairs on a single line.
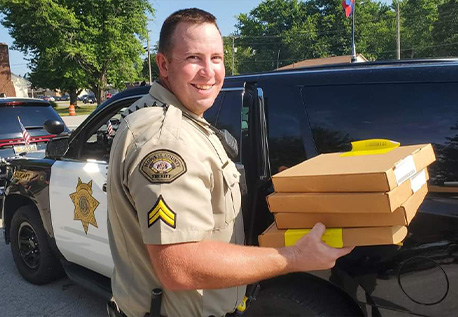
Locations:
{"points": [[243, 57], [100, 39], [154, 69], [262, 30], [418, 18], [281, 32], [58, 74], [445, 31]]}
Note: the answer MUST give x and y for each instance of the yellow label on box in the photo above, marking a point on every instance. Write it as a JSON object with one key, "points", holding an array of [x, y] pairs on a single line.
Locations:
{"points": [[332, 237], [371, 146]]}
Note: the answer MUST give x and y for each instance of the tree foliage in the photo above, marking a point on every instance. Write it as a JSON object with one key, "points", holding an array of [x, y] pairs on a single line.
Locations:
{"points": [[78, 44], [445, 29], [280, 32]]}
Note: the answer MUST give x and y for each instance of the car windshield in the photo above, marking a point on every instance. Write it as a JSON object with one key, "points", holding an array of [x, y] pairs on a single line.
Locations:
{"points": [[32, 117]]}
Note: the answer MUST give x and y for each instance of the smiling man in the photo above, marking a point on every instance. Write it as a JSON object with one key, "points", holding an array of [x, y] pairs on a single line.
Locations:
{"points": [[174, 214]]}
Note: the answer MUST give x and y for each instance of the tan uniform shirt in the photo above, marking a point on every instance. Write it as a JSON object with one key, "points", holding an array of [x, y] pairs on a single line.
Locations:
{"points": [[169, 181]]}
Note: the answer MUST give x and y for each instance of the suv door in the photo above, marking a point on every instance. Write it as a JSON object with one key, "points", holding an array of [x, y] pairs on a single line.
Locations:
{"points": [[418, 277], [78, 199], [240, 110]]}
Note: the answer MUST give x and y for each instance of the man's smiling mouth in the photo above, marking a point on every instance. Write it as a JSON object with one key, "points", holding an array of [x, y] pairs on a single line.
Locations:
{"points": [[202, 87]]}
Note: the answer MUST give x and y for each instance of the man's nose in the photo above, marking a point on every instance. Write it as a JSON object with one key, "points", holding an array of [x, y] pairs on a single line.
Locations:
{"points": [[207, 69]]}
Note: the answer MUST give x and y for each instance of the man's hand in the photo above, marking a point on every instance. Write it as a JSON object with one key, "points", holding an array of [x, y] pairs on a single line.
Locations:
{"points": [[310, 253]]}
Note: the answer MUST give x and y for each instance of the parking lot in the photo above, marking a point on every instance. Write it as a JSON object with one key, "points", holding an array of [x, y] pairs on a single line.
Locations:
{"points": [[60, 298]]}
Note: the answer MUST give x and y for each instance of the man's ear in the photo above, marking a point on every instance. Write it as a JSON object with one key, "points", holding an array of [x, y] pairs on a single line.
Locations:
{"points": [[163, 64]]}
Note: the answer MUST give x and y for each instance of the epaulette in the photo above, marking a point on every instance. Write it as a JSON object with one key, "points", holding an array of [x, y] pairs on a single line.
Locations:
{"points": [[134, 107]]}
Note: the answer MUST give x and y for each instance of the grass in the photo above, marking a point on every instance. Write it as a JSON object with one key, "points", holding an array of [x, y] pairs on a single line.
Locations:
{"points": [[80, 110]]}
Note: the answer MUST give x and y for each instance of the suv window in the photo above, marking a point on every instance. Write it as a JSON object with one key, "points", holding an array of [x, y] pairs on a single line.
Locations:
{"points": [[226, 113], [31, 117], [97, 139], [99, 143], [287, 126], [411, 113]]}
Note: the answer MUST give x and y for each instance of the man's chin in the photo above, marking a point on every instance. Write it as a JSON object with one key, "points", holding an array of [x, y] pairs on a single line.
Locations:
{"points": [[201, 107]]}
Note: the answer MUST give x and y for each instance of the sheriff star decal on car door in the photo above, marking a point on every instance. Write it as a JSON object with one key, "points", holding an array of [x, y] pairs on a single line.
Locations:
{"points": [[85, 204]]}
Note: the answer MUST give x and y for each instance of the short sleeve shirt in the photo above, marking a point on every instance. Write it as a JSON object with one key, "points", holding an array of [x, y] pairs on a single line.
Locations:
{"points": [[169, 181]]}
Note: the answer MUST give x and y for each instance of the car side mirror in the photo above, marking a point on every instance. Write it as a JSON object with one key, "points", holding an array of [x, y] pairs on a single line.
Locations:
{"points": [[54, 126], [57, 147]]}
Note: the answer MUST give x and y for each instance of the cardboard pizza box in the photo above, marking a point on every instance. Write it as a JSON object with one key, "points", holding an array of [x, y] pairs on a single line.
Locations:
{"points": [[335, 237], [402, 216], [358, 171], [348, 203]]}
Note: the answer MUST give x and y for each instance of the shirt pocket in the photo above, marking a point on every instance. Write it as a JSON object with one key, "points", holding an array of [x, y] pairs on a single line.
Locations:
{"points": [[231, 192]]}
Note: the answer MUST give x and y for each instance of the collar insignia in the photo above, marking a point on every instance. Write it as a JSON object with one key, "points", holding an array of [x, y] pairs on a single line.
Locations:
{"points": [[85, 204], [163, 212]]}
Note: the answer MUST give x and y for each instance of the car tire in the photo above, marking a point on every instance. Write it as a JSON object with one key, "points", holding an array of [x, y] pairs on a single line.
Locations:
{"points": [[84, 101], [32, 254], [296, 296]]}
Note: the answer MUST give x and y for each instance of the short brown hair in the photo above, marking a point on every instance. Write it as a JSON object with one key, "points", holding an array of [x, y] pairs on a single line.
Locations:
{"points": [[192, 15]]}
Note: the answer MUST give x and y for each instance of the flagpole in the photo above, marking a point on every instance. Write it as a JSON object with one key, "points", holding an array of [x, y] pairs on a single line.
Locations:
{"points": [[353, 47]]}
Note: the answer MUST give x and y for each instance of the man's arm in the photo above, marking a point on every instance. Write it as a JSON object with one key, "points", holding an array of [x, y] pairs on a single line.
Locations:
{"points": [[212, 264]]}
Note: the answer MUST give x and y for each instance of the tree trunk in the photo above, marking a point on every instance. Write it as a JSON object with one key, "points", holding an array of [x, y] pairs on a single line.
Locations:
{"points": [[99, 88], [73, 97]]}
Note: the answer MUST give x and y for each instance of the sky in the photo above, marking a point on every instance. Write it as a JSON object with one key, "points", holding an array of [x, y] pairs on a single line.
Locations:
{"points": [[224, 10]]}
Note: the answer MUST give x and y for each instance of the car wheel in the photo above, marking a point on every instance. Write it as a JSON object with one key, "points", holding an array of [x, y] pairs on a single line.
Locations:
{"points": [[84, 101], [285, 296], [32, 255]]}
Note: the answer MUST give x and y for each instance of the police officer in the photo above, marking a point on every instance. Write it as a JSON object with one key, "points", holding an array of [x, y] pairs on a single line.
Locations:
{"points": [[173, 194]]}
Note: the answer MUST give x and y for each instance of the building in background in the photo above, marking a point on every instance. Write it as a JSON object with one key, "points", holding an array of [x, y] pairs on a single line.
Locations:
{"points": [[324, 61], [21, 86], [6, 83]]}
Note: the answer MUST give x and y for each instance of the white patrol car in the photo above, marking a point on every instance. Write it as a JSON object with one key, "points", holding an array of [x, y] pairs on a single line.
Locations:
{"points": [[55, 208]]}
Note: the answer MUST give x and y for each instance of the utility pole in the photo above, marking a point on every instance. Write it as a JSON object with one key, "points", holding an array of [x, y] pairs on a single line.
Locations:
{"points": [[278, 57], [149, 60], [398, 29], [353, 46], [233, 55]]}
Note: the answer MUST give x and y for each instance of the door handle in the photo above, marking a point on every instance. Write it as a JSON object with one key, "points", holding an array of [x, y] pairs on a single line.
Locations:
{"points": [[104, 187]]}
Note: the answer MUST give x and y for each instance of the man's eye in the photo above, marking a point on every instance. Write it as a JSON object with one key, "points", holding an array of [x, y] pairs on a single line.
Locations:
{"points": [[193, 57], [217, 58]]}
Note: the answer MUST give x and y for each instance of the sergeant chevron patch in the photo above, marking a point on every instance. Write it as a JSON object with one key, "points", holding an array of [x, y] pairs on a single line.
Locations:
{"points": [[163, 212]]}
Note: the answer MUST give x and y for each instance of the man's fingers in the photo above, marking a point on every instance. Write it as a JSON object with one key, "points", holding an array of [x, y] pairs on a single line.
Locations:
{"points": [[343, 251], [317, 230]]}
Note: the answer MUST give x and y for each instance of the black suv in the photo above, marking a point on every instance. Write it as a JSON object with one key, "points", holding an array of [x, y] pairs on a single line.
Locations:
{"points": [[279, 119], [32, 113]]}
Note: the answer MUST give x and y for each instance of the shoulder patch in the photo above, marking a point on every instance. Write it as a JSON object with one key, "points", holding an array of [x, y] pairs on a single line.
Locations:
{"points": [[163, 212], [162, 166]]}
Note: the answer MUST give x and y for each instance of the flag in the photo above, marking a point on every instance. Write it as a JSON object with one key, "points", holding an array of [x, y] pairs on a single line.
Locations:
{"points": [[25, 134], [348, 5], [110, 128]]}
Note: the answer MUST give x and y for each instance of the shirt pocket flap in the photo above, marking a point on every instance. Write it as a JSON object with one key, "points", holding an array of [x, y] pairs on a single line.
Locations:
{"points": [[231, 175]]}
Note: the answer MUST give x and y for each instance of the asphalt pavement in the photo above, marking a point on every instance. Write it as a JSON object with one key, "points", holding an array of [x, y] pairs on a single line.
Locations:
{"points": [[72, 122], [19, 298]]}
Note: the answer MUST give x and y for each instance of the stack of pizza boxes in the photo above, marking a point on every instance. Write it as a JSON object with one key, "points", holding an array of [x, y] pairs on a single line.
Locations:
{"points": [[367, 196]]}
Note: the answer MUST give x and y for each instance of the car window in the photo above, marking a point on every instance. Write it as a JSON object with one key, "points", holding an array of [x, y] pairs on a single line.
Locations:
{"points": [[30, 116], [229, 116], [408, 113], [98, 144], [212, 113], [287, 123]]}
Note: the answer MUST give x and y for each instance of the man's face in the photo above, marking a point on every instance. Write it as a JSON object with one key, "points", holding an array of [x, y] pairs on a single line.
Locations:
{"points": [[194, 68]]}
